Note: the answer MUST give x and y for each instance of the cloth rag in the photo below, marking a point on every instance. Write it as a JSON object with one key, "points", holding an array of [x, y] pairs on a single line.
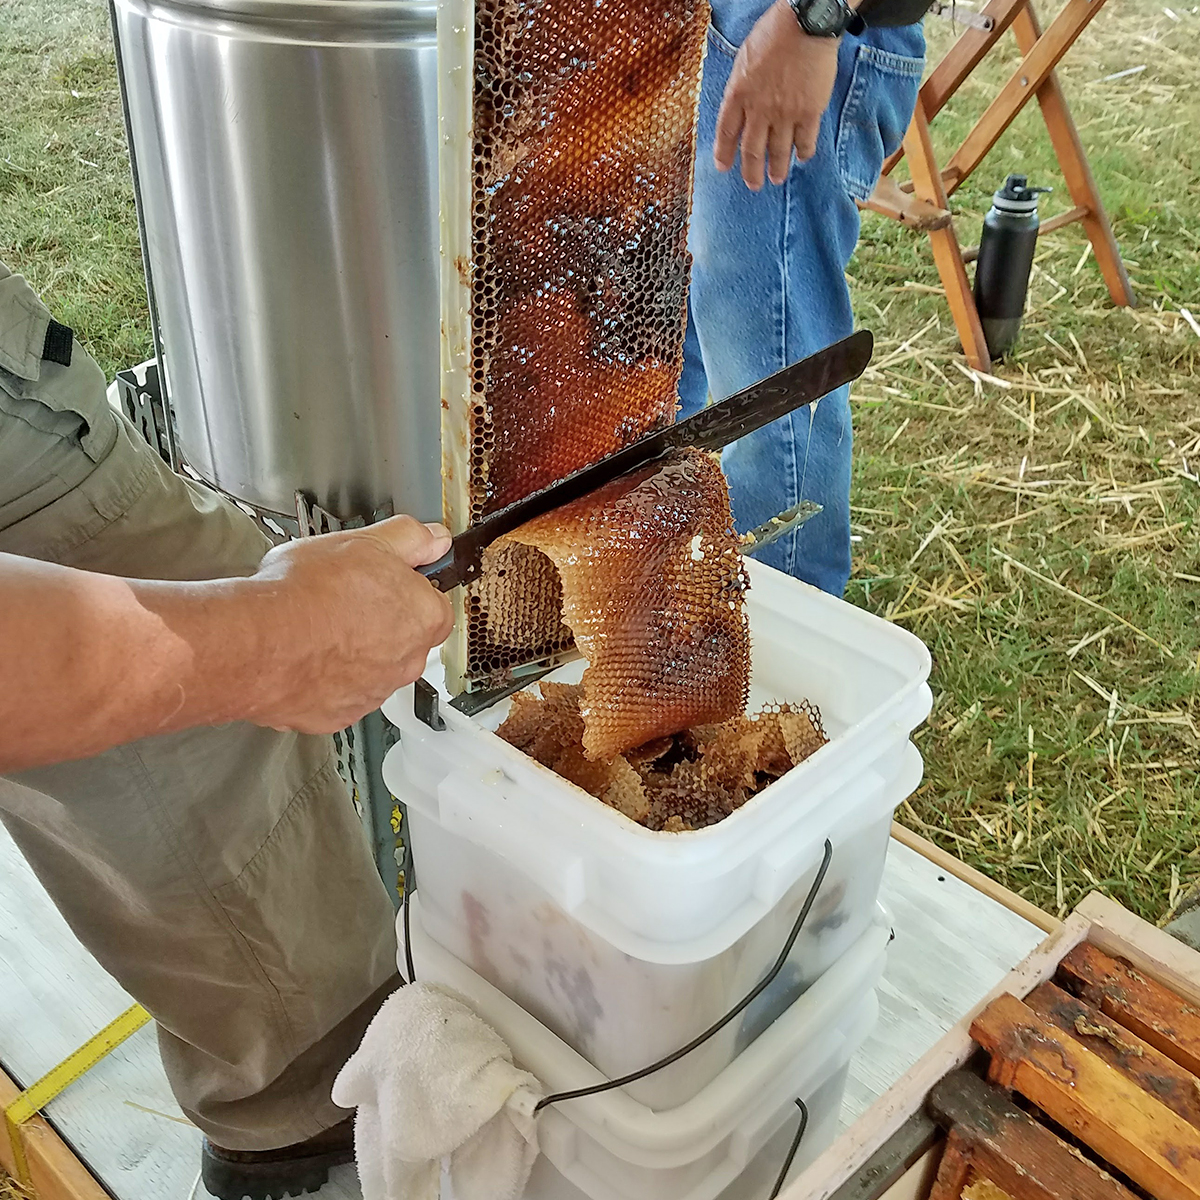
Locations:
{"points": [[435, 1087]]}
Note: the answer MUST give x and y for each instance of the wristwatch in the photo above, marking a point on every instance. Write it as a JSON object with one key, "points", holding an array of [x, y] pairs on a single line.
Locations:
{"points": [[826, 18]]}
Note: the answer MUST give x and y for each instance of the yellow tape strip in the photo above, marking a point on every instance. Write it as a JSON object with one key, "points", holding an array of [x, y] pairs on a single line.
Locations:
{"points": [[35, 1097]]}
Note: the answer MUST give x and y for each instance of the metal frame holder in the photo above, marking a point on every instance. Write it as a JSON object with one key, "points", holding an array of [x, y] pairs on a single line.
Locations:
{"points": [[139, 390], [361, 748]]}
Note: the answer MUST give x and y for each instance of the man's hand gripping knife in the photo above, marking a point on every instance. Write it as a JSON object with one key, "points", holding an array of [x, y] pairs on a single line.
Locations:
{"points": [[325, 630]]}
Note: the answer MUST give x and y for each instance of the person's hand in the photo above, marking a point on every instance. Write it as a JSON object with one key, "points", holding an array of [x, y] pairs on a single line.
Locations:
{"points": [[779, 89], [352, 622]]}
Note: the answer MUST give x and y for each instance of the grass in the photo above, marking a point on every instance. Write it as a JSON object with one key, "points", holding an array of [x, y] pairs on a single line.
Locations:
{"points": [[67, 219], [1039, 533]]}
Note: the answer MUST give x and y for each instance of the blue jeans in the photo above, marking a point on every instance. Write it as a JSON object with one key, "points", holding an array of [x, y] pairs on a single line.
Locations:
{"points": [[768, 283]]}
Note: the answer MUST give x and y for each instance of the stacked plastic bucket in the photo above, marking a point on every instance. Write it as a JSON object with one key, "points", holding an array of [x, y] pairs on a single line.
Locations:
{"points": [[597, 947]]}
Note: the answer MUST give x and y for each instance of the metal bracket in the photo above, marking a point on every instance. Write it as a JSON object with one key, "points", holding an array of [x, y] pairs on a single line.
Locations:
{"points": [[786, 522], [964, 16], [426, 705], [142, 402], [313, 519], [470, 704]]}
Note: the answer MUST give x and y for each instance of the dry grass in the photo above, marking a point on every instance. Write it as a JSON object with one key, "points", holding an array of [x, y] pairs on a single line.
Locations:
{"points": [[10, 1189], [1037, 529]]}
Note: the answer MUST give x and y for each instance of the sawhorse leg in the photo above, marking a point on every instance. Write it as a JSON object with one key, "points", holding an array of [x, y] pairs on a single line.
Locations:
{"points": [[1074, 165], [947, 253]]}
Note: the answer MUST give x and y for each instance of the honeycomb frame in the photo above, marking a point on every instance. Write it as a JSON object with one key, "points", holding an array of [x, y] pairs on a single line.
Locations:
{"points": [[615, 367]]}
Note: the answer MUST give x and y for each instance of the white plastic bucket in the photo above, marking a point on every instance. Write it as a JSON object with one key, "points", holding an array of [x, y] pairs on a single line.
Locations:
{"points": [[627, 943], [730, 1140]]}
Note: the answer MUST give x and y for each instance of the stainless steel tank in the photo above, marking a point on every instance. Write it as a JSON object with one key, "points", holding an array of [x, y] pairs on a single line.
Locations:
{"points": [[285, 156]]}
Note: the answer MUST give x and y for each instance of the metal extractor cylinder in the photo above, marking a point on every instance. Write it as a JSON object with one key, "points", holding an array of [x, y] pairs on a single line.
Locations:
{"points": [[285, 156]]}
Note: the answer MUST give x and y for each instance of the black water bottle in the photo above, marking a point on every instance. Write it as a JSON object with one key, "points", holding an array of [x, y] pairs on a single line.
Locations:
{"points": [[1005, 259]]}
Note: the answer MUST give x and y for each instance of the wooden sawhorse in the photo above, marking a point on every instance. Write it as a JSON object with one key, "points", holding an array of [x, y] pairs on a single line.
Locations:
{"points": [[923, 202]]}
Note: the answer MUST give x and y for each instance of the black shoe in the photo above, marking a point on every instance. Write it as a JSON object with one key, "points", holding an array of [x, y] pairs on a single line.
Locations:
{"points": [[274, 1174]]}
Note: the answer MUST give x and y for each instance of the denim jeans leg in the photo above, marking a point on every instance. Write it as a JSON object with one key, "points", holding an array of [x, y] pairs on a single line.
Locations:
{"points": [[693, 382], [769, 288]]}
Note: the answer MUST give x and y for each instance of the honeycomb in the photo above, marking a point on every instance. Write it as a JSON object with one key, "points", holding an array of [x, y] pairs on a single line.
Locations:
{"points": [[673, 784], [584, 122], [651, 582]]}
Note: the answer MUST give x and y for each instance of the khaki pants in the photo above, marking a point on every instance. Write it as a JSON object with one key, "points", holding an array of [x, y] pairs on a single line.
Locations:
{"points": [[220, 874]]}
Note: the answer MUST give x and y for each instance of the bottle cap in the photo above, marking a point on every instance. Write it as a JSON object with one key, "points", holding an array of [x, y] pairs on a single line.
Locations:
{"points": [[1016, 196]]}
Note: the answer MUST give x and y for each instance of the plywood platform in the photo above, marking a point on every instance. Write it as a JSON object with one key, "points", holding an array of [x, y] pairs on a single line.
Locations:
{"points": [[953, 944]]}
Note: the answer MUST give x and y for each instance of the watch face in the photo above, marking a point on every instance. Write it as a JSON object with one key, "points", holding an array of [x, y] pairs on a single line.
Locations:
{"points": [[822, 15]]}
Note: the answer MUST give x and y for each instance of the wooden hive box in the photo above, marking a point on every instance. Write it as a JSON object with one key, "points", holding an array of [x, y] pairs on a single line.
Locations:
{"points": [[1096, 1035]]}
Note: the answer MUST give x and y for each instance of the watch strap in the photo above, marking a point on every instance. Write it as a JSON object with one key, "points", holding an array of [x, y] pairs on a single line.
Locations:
{"points": [[886, 14]]}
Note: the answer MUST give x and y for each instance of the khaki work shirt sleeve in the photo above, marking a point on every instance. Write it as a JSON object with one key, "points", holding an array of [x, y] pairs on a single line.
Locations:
{"points": [[23, 323], [66, 401]]}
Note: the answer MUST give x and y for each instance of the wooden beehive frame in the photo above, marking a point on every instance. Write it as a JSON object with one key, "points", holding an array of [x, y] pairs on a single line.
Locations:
{"points": [[456, 61], [893, 1141], [53, 1171], [992, 1138], [923, 202], [1123, 1115]]}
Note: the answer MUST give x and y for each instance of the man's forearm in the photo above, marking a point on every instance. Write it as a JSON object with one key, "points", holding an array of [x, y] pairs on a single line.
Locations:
{"points": [[90, 661], [323, 632]]}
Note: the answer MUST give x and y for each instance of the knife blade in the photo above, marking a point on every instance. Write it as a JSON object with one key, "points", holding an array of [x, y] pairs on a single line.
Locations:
{"points": [[712, 429], [786, 522]]}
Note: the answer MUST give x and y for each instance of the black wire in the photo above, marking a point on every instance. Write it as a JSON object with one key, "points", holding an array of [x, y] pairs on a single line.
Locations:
{"points": [[791, 1157], [408, 890], [740, 1008]]}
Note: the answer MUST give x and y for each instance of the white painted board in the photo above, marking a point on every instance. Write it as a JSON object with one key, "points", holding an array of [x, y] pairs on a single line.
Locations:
{"points": [[953, 945]]}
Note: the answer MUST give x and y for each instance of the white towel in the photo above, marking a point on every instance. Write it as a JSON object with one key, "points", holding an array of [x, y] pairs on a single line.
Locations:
{"points": [[434, 1084]]}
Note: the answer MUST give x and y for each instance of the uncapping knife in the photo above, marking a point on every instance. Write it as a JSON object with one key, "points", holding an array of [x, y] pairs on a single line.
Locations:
{"points": [[711, 429]]}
